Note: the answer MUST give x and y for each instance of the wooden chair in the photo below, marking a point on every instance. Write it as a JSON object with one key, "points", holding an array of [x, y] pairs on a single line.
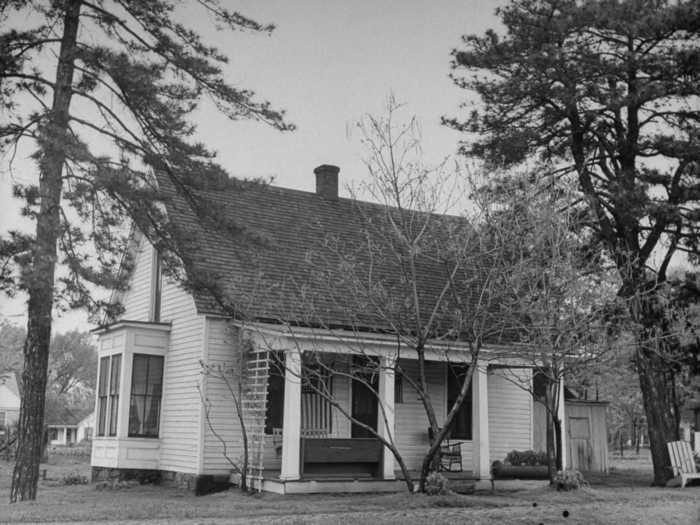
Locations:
{"points": [[682, 461], [449, 455]]}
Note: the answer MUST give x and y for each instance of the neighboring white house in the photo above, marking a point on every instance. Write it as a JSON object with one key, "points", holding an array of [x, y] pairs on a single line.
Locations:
{"points": [[9, 399], [67, 427], [156, 411]]}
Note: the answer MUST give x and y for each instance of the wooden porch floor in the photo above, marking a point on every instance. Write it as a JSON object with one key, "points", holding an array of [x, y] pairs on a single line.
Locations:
{"points": [[463, 482]]}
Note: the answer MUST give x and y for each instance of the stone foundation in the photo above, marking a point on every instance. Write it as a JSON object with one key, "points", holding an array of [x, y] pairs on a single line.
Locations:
{"points": [[197, 484], [125, 474]]}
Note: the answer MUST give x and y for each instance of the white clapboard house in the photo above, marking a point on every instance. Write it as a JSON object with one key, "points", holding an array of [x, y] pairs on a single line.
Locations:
{"points": [[158, 413]]}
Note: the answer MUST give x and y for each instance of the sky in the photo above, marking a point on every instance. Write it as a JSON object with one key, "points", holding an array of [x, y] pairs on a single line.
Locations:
{"points": [[327, 64]]}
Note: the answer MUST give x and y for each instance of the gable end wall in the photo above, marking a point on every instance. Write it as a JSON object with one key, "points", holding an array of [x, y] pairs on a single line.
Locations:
{"points": [[181, 406]]}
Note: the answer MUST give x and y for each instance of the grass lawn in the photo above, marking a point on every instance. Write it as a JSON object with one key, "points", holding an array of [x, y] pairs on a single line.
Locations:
{"points": [[622, 497]]}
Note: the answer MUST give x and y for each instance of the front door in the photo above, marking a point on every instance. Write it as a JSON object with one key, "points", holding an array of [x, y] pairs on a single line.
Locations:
{"points": [[364, 401]]}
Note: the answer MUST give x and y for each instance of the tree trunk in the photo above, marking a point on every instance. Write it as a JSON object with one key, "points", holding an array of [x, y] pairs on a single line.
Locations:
{"points": [[39, 279], [656, 376], [662, 422], [550, 439], [556, 427], [622, 444]]}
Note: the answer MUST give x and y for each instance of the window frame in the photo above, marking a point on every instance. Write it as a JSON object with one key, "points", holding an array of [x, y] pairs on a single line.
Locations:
{"points": [[107, 395]]}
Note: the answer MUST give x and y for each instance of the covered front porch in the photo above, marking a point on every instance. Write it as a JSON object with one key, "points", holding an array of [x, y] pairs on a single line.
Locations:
{"points": [[311, 445]]}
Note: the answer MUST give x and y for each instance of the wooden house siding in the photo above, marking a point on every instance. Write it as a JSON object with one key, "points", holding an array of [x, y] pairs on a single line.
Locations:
{"points": [[411, 422], [181, 410], [510, 411], [137, 299], [510, 418], [221, 341]]}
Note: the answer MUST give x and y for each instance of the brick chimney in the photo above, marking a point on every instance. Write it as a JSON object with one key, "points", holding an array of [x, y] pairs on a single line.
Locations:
{"points": [[327, 181]]}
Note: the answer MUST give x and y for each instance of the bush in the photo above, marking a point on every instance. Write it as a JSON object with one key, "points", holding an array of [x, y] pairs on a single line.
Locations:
{"points": [[569, 480], [436, 484], [526, 457], [74, 479]]}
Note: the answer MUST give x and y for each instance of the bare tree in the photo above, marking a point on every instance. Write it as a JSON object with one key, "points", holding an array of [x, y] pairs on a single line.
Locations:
{"points": [[427, 279], [560, 301]]}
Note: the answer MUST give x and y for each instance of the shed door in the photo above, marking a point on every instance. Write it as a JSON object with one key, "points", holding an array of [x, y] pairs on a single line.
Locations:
{"points": [[580, 447]]}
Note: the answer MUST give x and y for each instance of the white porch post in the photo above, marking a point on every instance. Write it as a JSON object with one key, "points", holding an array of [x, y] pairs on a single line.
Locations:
{"points": [[291, 421], [481, 450], [561, 415], [386, 417]]}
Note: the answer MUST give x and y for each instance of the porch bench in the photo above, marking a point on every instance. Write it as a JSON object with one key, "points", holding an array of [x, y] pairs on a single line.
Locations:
{"points": [[314, 433], [682, 462], [349, 457]]}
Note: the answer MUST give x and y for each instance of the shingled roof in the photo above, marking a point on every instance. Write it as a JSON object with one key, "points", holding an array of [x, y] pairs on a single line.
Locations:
{"points": [[289, 263]]}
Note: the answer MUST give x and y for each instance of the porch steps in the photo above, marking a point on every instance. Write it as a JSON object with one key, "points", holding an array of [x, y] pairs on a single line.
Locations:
{"points": [[254, 404]]}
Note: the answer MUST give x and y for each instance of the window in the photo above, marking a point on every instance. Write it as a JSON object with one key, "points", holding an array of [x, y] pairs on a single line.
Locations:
{"points": [[157, 288], [53, 434], [108, 395], [3, 420], [146, 392], [316, 388], [462, 423]]}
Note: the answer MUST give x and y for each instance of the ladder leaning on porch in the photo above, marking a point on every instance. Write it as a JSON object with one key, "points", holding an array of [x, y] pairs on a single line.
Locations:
{"points": [[257, 371]]}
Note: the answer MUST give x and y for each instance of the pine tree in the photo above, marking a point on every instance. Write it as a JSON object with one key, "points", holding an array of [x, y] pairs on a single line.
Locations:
{"points": [[607, 91], [103, 92]]}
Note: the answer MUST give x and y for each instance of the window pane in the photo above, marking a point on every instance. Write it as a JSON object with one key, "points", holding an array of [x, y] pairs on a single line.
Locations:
{"points": [[114, 411], [139, 375], [136, 415], [104, 371], [155, 376], [152, 407], [114, 379], [102, 415]]}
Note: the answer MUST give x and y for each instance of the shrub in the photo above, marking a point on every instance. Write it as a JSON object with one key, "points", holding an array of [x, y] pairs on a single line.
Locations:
{"points": [[436, 484], [74, 479], [569, 480], [526, 457]]}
